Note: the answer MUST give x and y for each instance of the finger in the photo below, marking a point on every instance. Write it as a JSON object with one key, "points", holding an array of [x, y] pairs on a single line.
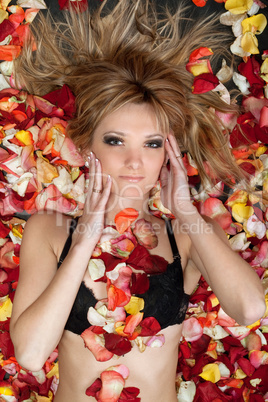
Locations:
{"points": [[175, 148], [175, 158], [97, 186], [91, 172], [105, 194]]}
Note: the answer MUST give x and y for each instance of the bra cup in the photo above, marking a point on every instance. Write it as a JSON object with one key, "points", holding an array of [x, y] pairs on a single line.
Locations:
{"points": [[165, 299]]}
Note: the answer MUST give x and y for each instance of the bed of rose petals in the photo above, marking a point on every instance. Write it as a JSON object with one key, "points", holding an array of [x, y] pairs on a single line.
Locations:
{"points": [[41, 169]]}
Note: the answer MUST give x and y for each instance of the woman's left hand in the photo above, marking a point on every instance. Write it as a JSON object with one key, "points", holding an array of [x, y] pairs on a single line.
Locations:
{"points": [[175, 193]]}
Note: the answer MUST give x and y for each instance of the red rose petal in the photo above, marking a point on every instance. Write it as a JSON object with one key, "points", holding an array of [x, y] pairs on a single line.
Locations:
{"points": [[117, 344], [204, 83]]}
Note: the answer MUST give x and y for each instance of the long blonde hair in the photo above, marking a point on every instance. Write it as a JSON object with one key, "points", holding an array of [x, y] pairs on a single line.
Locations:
{"points": [[131, 53]]}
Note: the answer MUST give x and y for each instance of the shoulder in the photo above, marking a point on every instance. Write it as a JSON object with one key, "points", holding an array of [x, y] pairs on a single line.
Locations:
{"points": [[46, 229]]}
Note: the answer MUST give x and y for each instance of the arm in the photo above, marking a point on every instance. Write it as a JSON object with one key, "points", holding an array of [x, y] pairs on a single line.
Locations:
{"points": [[45, 295], [236, 285]]}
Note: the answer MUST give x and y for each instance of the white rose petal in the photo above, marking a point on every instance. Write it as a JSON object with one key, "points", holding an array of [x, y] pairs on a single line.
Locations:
{"points": [[242, 83], [94, 318], [96, 268], [40, 4], [225, 72], [216, 332], [186, 391], [63, 182], [114, 274], [236, 48], [20, 186], [239, 242], [225, 372], [254, 9], [255, 227]]}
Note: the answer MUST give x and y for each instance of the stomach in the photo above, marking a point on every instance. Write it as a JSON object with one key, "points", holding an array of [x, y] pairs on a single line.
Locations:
{"points": [[152, 371]]}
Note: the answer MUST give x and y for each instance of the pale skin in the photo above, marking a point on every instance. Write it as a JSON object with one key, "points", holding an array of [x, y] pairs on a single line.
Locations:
{"points": [[129, 147]]}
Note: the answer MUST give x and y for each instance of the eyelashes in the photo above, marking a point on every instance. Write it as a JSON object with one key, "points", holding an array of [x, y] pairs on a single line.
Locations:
{"points": [[112, 140], [117, 141], [155, 144]]}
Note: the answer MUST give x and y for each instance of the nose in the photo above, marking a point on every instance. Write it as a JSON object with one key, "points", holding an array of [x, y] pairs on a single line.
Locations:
{"points": [[133, 159]]}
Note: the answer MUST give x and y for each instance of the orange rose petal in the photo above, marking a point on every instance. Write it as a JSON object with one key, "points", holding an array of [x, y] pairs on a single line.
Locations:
{"points": [[112, 386], [200, 52], [132, 321], [124, 219], [96, 345], [9, 52], [200, 3]]}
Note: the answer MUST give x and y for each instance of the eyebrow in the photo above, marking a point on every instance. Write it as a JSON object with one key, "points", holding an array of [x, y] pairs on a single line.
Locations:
{"points": [[124, 134]]}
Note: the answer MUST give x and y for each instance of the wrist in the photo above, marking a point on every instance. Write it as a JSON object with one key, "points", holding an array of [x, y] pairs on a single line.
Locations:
{"points": [[186, 213]]}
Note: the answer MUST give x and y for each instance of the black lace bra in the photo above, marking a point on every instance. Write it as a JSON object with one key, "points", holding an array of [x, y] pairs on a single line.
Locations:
{"points": [[165, 299]]}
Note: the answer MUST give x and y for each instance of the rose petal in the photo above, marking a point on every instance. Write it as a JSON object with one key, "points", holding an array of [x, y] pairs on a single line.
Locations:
{"points": [[211, 372], [112, 386], [191, 329], [124, 219], [95, 344]]}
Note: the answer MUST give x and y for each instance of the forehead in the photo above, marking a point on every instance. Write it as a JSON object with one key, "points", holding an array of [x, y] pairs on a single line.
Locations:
{"points": [[130, 117]]}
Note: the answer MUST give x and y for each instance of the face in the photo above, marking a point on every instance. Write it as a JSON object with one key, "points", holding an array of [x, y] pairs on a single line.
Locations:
{"points": [[131, 149]]}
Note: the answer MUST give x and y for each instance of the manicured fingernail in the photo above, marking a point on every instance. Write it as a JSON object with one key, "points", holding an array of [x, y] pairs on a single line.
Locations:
{"points": [[97, 161], [167, 139]]}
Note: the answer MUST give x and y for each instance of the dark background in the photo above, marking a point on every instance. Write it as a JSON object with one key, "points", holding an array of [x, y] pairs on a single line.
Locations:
{"points": [[211, 7]]}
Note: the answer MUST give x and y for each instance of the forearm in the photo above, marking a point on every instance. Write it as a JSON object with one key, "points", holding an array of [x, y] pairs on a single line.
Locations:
{"points": [[39, 328], [234, 282]]}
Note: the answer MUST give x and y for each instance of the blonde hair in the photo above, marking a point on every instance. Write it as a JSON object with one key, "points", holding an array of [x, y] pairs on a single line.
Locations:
{"points": [[131, 53]]}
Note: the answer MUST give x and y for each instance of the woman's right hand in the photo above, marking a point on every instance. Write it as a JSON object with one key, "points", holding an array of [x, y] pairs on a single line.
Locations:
{"points": [[91, 223]]}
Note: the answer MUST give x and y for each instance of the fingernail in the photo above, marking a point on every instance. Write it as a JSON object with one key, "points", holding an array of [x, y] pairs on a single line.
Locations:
{"points": [[97, 161], [167, 139]]}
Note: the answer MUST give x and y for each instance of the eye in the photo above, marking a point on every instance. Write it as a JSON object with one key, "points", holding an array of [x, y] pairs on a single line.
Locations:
{"points": [[154, 144], [112, 140]]}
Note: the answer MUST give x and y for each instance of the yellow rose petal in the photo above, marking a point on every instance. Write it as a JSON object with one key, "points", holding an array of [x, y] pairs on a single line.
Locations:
{"points": [[239, 374], [264, 70], [249, 43], [242, 212], [239, 196], [211, 372], [199, 67], [238, 6], [6, 391], [5, 310], [255, 24], [45, 171], [262, 149], [25, 137], [135, 305], [53, 371], [255, 324], [3, 16]]}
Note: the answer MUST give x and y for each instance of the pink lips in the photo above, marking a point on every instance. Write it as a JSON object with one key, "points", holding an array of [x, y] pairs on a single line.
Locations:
{"points": [[132, 179]]}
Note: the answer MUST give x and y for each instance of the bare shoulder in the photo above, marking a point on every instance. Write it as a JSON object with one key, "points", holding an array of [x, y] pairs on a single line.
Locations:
{"points": [[48, 230]]}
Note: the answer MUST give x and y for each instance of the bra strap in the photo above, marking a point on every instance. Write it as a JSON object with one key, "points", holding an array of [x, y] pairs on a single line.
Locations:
{"points": [[172, 240], [68, 242]]}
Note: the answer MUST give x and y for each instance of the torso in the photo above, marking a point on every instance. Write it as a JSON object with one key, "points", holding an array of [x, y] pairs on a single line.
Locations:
{"points": [[152, 371]]}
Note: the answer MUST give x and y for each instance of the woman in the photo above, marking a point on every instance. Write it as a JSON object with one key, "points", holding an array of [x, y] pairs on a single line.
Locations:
{"points": [[134, 105]]}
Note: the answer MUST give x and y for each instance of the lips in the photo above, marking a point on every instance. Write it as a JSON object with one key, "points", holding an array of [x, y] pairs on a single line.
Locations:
{"points": [[132, 179]]}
